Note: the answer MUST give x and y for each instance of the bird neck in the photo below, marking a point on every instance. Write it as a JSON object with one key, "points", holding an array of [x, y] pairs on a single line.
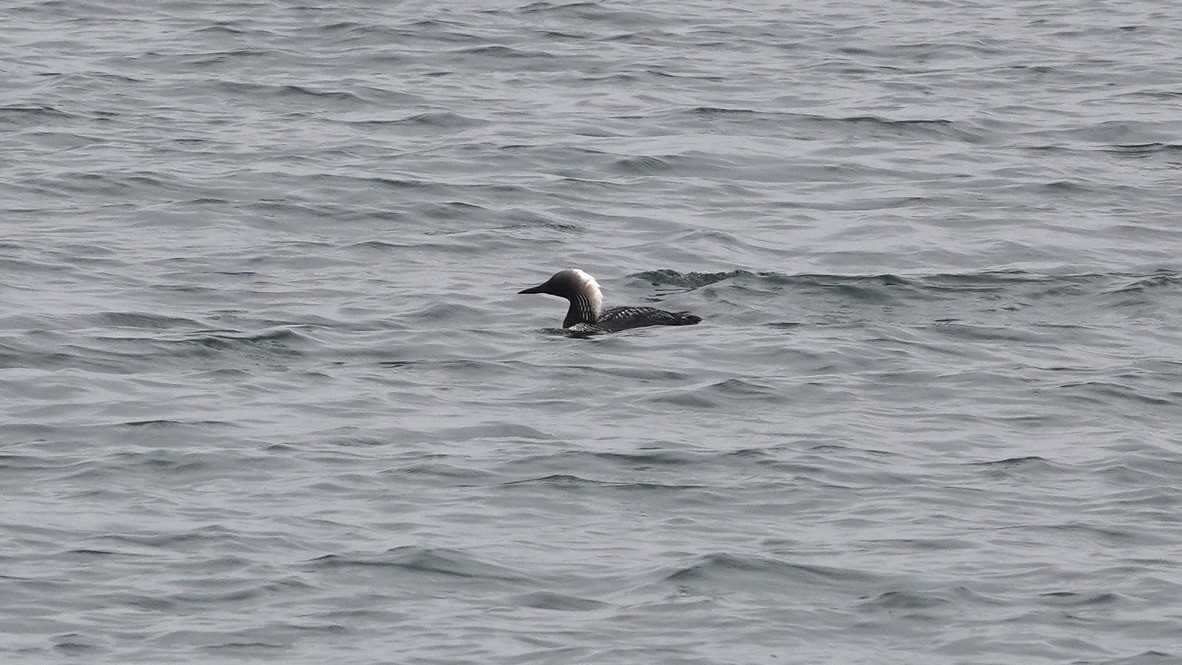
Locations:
{"points": [[583, 309]]}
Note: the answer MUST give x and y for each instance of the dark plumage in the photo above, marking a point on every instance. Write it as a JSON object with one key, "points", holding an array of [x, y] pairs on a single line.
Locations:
{"points": [[586, 314]]}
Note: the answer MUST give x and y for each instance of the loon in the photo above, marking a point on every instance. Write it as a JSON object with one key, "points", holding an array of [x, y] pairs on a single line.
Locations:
{"points": [[586, 314]]}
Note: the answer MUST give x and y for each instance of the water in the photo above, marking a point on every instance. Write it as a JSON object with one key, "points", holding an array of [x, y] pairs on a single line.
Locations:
{"points": [[269, 395]]}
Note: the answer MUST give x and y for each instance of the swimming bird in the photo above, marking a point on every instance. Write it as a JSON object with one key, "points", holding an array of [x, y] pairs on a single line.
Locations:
{"points": [[587, 315]]}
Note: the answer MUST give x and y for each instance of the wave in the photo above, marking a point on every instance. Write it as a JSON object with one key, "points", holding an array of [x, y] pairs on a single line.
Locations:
{"points": [[984, 281], [428, 561]]}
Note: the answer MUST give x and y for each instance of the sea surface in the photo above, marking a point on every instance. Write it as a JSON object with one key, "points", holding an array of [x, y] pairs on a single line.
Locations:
{"points": [[268, 392]]}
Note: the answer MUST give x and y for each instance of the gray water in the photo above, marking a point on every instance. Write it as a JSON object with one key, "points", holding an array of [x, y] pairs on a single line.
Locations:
{"points": [[269, 395]]}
